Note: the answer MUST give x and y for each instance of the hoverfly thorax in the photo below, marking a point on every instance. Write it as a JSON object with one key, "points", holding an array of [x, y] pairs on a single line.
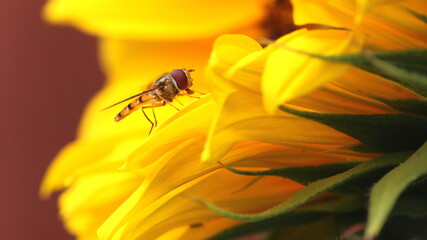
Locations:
{"points": [[182, 78]]}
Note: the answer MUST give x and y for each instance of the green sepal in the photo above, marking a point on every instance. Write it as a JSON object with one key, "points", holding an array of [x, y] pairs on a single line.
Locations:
{"points": [[386, 192], [314, 189], [416, 106], [301, 217], [308, 174], [406, 75], [303, 175], [418, 15], [384, 132], [406, 67]]}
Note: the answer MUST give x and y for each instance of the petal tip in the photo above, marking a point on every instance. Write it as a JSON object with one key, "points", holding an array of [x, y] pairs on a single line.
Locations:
{"points": [[206, 156]]}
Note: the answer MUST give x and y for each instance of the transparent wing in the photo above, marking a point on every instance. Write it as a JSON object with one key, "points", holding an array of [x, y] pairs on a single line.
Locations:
{"points": [[124, 100]]}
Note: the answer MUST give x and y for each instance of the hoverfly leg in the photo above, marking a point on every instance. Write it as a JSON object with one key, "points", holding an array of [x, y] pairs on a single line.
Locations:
{"points": [[192, 96], [166, 101], [154, 105], [189, 92], [179, 102], [155, 118], [152, 124], [197, 92]]}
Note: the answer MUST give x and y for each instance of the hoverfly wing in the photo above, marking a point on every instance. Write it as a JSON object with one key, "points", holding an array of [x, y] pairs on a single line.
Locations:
{"points": [[135, 104], [124, 100]]}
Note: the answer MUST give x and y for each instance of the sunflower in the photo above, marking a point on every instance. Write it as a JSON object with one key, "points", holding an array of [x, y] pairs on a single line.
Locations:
{"points": [[292, 135]]}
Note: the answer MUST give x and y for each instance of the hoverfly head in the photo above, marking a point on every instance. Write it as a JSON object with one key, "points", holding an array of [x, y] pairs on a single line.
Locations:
{"points": [[182, 78]]}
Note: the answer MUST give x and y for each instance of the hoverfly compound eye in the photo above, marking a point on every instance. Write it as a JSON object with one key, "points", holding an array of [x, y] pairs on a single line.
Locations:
{"points": [[181, 78]]}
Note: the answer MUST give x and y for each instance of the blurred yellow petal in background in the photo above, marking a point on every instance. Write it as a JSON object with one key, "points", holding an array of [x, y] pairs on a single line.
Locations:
{"points": [[132, 19]]}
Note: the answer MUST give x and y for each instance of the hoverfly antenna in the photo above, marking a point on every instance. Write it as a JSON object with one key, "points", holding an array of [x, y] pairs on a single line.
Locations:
{"points": [[191, 70]]}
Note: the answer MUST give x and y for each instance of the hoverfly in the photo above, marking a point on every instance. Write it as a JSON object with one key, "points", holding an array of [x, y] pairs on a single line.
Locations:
{"points": [[158, 94]]}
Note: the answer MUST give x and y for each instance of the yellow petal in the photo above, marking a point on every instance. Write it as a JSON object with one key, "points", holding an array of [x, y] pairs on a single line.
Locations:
{"points": [[219, 187], [363, 5], [268, 155], [175, 233], [93, 197], [244, 119], [399, 15], [331, 99], [387, 23], [170, 174], [138, 206], [190, 123], [131, 19], [179, 165], [370, 85], [289, 74], [174, 209], [144, 61], [85, 157], [228, 53]]}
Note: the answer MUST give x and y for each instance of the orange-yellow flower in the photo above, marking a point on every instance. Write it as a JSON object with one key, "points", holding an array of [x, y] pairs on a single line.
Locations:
{"points": [[120, 183]]}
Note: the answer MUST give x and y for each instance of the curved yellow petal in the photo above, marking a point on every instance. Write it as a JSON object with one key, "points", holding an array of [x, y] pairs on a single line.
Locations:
{"points": [[370, 85], [93, 197], [191, 123], [142, 199], [388, 24], [219, 187], [229, 51], [150, 221], [132, 19], [180, 165], [332, 99], [86, 157], [289, 74], [364, 5], [175, 233], [243, 118], [356, 91], [397, 14]]}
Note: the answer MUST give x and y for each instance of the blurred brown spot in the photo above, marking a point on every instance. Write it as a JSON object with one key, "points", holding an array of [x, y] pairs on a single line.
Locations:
{"points": [[278, 20]]}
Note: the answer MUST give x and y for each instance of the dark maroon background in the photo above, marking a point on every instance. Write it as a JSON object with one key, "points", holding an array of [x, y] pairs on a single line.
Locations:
{"points": [[47, 75]]}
